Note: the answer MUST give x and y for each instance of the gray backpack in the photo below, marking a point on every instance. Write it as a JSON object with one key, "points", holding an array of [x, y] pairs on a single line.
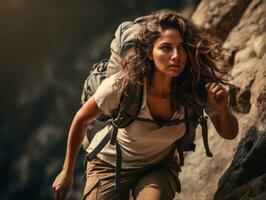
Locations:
{"points": [[129, 106]]}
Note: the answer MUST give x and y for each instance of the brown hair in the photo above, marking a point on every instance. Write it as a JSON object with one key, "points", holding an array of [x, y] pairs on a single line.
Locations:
{"points": [[201, 67]]}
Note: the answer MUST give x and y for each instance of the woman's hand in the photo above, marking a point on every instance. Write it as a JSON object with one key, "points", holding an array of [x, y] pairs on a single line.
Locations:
{"points": [[225, 122], [218, 95], [62, 185]]}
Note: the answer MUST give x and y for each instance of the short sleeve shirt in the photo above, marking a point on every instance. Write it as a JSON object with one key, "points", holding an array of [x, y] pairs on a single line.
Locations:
{"points": [[142, 143]]}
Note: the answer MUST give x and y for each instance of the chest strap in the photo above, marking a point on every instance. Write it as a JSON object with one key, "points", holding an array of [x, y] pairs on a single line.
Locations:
{"points": [[160, 123]]}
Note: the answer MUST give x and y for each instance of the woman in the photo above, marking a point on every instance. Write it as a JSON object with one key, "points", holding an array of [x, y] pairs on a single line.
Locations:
{"points": [[172, 56]]}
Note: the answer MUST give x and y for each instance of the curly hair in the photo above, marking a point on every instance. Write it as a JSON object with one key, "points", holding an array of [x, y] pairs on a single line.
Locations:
{"points": [[201, 66]]}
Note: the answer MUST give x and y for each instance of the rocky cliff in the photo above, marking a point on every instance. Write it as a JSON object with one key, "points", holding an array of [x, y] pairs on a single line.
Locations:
{"points": [[238, 169]]}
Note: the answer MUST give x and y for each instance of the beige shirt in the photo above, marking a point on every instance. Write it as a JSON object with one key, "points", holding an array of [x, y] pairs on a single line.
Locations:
{"points": [[142, 143]]}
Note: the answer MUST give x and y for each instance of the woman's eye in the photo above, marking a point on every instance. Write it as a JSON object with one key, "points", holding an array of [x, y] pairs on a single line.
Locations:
{"points": [[181, 47], [166, 48]]}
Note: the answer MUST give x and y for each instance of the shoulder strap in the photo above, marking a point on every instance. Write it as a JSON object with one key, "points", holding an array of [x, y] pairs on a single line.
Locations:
{"points": [[186, 143], [130, 104]]}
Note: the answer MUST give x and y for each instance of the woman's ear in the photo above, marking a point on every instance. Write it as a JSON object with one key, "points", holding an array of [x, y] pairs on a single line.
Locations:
{"points": [[150, 56]]}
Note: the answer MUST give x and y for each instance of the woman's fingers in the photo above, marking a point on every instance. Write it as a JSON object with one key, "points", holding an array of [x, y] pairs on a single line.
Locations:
{"points": [[56, 189], [207, 86], [62, 186], [214, 89], [60, 194], [210, 86], [217, 94], [222, 93]]}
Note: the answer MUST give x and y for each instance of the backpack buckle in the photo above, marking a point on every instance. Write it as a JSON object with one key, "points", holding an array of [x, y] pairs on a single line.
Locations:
{"points": [[203, 119], [160, 123]]}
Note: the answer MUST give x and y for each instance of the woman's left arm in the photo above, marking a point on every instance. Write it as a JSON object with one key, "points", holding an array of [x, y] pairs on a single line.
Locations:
{"points": [[224, 122]]}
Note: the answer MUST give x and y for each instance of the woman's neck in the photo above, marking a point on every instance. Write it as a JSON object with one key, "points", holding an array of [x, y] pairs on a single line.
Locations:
{"points": [[161, 83]]}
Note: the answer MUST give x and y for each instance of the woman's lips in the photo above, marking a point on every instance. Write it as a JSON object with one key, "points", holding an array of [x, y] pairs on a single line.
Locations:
{"points": [[175, 65]]}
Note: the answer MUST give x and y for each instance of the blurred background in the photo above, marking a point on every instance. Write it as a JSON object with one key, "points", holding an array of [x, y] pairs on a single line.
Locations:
{"points": [[46, 51]]}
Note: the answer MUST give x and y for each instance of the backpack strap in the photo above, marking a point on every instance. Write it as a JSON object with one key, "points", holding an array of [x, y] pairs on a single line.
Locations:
{"points": [[118, 166], [204, 131], [110, 136], [186, 143], [93, 154], [180, 150], [130, 104], [159, 123], [179, 143]]}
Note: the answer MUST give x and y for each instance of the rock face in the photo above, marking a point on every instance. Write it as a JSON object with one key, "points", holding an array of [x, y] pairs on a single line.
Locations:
{"points": [[234, 174], [246, 176], [219, 17]]}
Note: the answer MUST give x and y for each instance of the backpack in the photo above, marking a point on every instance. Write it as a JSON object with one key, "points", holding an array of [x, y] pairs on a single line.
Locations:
{"points": [[130, 103]]}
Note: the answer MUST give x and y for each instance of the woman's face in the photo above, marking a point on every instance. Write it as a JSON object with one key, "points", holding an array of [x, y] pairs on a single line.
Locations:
{"points": [[168, 53]]}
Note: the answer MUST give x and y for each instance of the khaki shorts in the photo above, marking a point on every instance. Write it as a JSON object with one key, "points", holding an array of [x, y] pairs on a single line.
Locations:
{"points": [[159, 182]]}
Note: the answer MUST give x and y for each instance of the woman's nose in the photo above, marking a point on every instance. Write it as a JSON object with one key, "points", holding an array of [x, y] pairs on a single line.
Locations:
{"points": [[175, 55]]}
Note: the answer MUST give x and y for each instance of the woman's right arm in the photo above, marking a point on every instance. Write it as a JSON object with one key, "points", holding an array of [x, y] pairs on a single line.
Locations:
{"points": [[87, 113]]}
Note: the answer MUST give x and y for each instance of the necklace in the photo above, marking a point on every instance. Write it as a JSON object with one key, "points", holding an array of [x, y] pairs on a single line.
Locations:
{"points": [[162, 97]]}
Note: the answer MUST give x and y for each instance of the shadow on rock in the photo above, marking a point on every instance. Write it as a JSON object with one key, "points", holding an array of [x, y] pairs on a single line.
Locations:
{"points": [[245, 179]]}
